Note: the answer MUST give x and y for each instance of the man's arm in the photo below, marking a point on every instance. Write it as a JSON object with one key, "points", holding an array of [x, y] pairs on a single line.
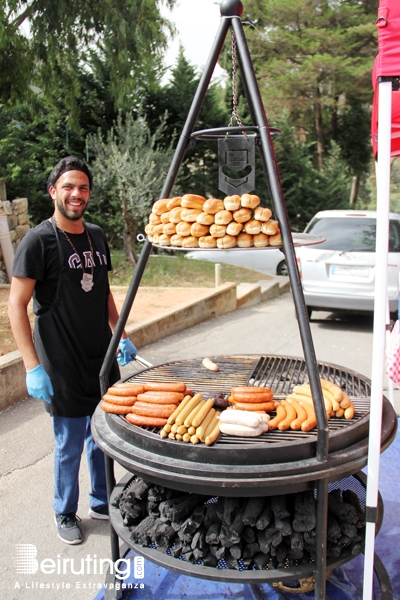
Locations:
{"points": [[20, 295], [127, 349], [113, 315]]}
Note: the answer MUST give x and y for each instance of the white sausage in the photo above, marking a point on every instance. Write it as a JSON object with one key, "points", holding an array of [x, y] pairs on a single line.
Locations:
{"points": [[241, 417], [242, 430]]}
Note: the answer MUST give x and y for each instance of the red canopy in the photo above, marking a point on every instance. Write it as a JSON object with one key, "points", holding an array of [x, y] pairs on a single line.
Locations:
{"points": [[387, 64]]}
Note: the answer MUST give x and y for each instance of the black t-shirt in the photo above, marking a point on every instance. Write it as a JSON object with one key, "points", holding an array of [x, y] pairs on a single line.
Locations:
{"points": [[37, 258]]}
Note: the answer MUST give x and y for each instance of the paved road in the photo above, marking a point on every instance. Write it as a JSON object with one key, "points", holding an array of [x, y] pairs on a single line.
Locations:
{"points": [[26, 440]]}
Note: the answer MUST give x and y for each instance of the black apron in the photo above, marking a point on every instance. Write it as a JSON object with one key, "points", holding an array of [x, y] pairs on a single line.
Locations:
{"points": [[72, 337]]}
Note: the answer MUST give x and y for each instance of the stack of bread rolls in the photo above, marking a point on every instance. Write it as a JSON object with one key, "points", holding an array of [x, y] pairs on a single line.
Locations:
{"points": [[191, 221]]}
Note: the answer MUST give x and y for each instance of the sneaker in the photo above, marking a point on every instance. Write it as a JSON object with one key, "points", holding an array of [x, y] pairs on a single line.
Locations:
{"points": [[68, 528], [100, 512]]}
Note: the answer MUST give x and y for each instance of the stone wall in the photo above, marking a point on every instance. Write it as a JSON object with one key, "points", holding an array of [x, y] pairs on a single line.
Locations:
{"points": [[18, 224]]}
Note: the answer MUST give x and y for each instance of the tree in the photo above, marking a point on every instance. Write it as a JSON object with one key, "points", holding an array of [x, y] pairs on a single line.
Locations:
{"points": [[129, 36], [129, 171], [311, 57]]}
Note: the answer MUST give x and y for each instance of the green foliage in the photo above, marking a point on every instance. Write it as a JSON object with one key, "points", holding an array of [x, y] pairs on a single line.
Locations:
{"points": [[129, 171]]}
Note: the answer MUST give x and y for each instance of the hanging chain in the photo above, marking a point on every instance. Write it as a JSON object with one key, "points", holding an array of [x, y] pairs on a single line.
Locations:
{"points": [[235, 114]]}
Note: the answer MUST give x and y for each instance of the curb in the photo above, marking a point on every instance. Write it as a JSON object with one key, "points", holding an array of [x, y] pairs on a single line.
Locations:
{"points": [[224, 299]]}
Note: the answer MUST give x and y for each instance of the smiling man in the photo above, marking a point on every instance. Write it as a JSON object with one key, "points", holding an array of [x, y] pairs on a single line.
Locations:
{"points": [[63, 263]]}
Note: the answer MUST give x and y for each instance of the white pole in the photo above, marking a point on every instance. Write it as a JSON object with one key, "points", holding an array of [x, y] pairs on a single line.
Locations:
{"points": [[378, 346], [217, 275]]}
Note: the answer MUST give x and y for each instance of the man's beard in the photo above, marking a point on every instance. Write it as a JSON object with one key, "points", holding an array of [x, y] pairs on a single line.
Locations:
{"points": [[72, 217]]}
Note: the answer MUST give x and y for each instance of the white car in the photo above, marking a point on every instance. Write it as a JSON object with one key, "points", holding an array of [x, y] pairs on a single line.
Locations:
{"points": [[339, 273], [269, 260]]}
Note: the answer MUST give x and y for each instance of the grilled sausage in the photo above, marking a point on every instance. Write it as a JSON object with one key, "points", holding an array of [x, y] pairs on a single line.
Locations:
{"points": [[146, 421]]}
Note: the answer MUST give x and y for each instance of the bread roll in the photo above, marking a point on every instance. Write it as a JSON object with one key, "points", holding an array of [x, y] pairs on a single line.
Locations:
{"points": [[253, 226], [154, 219], [165, 217], [262, 214], [183, 228], [192, 201], [176, 240], [199, 230], [154, 238], [223, 217], [175, 214], [242, 215], [228, 241], [150, 238], [232, 202], [249, 200], [190, 242], [234, 228], [160, 206], [217, 230], [244, 240], [260, 240], [190, 214], [275, 240], [164, 240], [169, 228], [205, 219], [158, 228], [270, 227], [212, 206], [149, 228], [174, 202], [208, 241]]}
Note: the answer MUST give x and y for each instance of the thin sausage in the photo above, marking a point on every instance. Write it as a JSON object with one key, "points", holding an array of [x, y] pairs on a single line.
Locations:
{"points": [[290, 416], [161, 397], [121, 400], [153, 410], [117, 409], [146, 421], [156, 386], [280, 415], [301, 415], [248, 389], [266, 406], [126, 389], [249, 397], [311, 420]]}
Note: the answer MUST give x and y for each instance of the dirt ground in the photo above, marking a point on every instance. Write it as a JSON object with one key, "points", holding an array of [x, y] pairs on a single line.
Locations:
{"points": [[149, 302]]}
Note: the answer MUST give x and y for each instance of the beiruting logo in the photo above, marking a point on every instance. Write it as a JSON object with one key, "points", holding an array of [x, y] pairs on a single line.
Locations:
{"points": [[27, 563]]}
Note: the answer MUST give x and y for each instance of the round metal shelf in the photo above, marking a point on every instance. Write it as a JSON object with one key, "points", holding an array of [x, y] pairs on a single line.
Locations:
{"points": [[299, 239]]}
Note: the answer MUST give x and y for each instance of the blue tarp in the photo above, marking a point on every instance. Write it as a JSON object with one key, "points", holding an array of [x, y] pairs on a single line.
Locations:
{"points": [[345, 583]]}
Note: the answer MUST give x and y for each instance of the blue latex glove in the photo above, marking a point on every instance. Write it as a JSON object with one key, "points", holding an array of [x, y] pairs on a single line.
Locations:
{"points": [[38, 384], [127, 352]]}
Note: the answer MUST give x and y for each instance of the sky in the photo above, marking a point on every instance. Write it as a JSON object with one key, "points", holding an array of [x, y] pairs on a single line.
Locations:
{"points": [[197, 23]]}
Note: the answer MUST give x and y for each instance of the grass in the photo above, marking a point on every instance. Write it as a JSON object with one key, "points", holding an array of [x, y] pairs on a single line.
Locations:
{"points": [[177, 271]]}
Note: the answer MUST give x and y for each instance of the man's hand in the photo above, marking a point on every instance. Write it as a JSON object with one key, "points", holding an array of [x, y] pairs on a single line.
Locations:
{"points": [[38, 384], [127, 352]]}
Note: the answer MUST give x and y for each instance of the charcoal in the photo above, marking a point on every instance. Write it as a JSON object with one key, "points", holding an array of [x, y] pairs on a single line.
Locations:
{"points": [[201, 542], [231, 562], [179, 508], [230, 508], [220, 509], [280, 552], [265, 518], [198, 540], [295, 555], [349, 531], [132, 513], [247, 562], [343, 511], [198, 553], [278, 507], [153, 529], [310, 537], [225, 536], [237, 524], [261, 560], [253, 510], [334, 532], [176, 525], [140, 533], [185, 538], [355, 548], [187, 555], [272, 563], [217, 551], [352, 498], [170, 493], [153, 500], [195, 520], [296, 541], [304, 518], [333, 550], [212, 533], [310, 549], [176, 549], [211, 514], [210, 560], [249, 535], [152, 509], [164, 535], [138, 490], [276, 539], [236, 550], [283, 525], [264, 541]]}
